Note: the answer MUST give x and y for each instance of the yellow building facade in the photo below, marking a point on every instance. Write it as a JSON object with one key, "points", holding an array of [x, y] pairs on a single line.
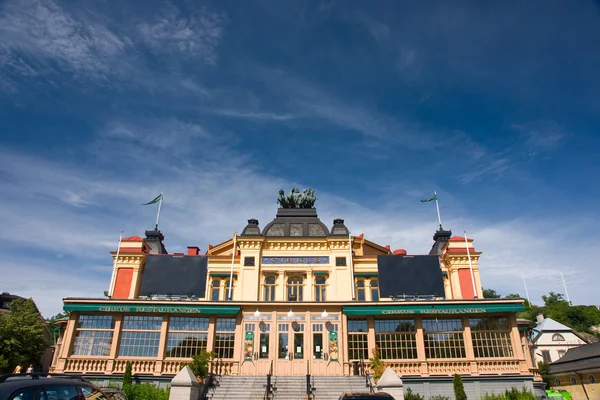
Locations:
{"points": [[299, 297]]}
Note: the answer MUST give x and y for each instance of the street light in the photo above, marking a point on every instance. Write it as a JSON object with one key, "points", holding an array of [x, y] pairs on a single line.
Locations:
{"points": [[324, 315], [290, 314], [257, 313]]}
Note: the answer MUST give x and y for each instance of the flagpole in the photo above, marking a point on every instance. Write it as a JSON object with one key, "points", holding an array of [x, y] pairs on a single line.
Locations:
{"points": [[470, 266], [351, 266], [565, 285], [232, 261], [114, 274], [526, 291], [158, 213], [438, 209]]}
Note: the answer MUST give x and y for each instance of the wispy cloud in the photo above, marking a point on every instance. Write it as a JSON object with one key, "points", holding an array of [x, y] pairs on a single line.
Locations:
{"points": [[542, 135], [252, 115], [191, 36]]}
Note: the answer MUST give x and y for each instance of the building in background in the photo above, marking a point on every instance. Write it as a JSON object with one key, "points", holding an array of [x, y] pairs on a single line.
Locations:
{"points": [[578, 372], [552, 340], [303, 297]]}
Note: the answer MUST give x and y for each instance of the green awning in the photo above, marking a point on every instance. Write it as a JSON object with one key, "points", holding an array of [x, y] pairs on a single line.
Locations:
{"points": [[433, 309], [320, 273], [222, 274], [157, 308], [365, 274]]}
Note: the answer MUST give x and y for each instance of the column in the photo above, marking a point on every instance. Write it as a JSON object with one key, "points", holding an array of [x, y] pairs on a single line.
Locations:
{"points": [[470, 353], [280, 288], [162, 344], [114, 348], [420, 337], [309, 294], [343, 340], [210, 342], [67, 342], [371, 335]]}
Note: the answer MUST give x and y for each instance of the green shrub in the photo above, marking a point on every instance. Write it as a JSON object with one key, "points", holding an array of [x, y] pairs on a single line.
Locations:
{"points": [[439, 397], [376, 365], [409, 395], [127, 378], [493, 397], [199, 364], [511, 394], [459, 388]]}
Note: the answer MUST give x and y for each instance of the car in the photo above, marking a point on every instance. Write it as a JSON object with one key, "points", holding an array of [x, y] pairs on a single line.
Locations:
{"points": [[366, 396], [113, 393], [41, 386]]}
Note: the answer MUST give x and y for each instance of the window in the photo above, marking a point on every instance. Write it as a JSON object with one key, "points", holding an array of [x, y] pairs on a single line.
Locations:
{"points": [[216, 290], [320, 288], [443, 338], [91, 393], [557, 382], [358, 348], [228, 295], [374, 290], [317, 341], [269, 293], [591, 379], [557, 337], [283, 348], [294, 288], [561, 353], [23, 394], [396, 338], [62, 392], [140, 336], [248, 261], [340, 261], [573, 381], [360, 290], [224, 337], [187, 336], [264, 340], [546, 356], [93, 335], [491, 337]]}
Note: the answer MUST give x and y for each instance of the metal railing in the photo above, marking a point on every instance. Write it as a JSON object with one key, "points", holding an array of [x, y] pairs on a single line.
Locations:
{"points": [[269, 386], [208, 384]]}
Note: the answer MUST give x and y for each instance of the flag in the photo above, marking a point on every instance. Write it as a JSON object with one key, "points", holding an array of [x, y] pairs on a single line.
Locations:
{"points": [[154, 201], [429, 199]]}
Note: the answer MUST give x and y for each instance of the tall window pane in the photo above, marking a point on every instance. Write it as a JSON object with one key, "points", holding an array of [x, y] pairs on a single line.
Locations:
{"points": [[140, 336], [294, 288], [358, 348], [443, 338], [187, 336], [491, 337], [270, 288], [360, 290], [93, 335], [374, 290], [224, 337], [216, 290], [320, 289], [396, 338]]}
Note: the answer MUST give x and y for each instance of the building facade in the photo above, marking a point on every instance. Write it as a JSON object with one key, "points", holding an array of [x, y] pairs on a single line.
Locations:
{"points": [[300, 297], [552, 340], [578, 372]]}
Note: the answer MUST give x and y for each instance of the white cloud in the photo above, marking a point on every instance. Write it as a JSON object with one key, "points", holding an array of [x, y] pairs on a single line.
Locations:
{"points": [[541, 135], [193, 36]]}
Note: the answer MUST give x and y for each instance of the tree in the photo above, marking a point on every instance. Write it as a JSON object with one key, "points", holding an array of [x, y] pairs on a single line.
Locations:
{"points": [[459, 388], [513, 296], [22, 335], [490, 294], [199, 364], [127, 378], [553, 299], [376, 364], [545, 372]]}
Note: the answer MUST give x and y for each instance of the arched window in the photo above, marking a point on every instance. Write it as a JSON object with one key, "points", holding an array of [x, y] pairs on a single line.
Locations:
{"points": [[557, 337], [320, 288], [269, 293], [294, 288], [374, 290], [360, 290], [216, 290]]}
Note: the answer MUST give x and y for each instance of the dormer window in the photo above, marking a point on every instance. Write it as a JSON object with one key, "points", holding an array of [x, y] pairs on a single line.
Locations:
{"points": [[557, 337]]}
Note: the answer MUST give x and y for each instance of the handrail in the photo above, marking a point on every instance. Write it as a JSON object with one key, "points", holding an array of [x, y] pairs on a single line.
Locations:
{"points": [[269, 386], [208, 383]]}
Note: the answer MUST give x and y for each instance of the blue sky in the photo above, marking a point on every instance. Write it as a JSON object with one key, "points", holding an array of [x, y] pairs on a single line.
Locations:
{"points": [[221, 103]]}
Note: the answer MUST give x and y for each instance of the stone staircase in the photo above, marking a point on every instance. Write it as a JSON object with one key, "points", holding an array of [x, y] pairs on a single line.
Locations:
{"points": [[233, 387]]}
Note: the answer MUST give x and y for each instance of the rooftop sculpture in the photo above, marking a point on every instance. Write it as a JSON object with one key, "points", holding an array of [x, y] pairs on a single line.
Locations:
{"points": [[295, 199]]}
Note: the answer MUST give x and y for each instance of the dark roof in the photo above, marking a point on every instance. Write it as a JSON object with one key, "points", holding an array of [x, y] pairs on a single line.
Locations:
{"points": [[440, 238], [174, 275], [296, 222], [578, 358]]}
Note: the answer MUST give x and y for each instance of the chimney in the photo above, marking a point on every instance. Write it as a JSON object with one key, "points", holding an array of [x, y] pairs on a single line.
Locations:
{"points": [[193, 250], [540, 318]]}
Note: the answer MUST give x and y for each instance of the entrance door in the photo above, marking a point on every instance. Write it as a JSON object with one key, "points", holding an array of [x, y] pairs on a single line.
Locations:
{"points": [[291, 357], [324, 349], [257, 349]]}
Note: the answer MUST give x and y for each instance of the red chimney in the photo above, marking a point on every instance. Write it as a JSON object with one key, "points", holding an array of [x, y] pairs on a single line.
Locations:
{"points": [[193, 250], [399, 252]]}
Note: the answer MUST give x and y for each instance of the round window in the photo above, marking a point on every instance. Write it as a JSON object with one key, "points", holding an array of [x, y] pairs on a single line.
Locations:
{"points": [[591, 379], [557, 382], [573, 380]]}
